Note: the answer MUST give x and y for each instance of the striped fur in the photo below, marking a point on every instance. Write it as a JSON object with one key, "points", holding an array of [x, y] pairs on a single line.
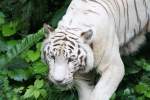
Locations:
{"points": [[116, 27], [66, 45]]}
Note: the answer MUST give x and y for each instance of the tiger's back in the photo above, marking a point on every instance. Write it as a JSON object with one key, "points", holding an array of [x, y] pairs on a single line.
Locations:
{"points": [[132, 19]]}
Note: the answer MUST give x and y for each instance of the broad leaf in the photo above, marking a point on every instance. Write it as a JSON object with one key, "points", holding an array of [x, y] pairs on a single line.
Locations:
{"points": [[38, 84], [43, 92], [144, 64], [29, 92], [39, 68], [141, 88], [32, 55], [36, 94], [147, 94], [9, 29]]}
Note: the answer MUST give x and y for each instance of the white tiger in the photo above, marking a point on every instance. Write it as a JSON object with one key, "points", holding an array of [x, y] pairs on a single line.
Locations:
{"points": [[93, 34]]}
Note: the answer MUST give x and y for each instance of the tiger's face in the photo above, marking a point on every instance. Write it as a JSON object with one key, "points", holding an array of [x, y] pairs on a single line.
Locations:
{"points": [[65, 56]]}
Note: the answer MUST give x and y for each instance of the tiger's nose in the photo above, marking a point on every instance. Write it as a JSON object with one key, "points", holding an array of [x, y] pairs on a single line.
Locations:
{"points": [[59, 81]]}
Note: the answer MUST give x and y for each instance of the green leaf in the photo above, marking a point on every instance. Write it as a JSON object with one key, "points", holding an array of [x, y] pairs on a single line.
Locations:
{"points": [[127, 91], [147, 94], [141, 88], [146, 67], [32, 55], [29, 92], [18, 90], [36, 94], [144, 64], [12, 42], [39, 68], [43, 92], [141, 98], [38, 84], [132, 70], [9, 29], [38, 46]]}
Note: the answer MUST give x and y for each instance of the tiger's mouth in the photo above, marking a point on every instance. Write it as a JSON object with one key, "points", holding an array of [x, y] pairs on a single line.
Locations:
{"points": [[64, 87]]}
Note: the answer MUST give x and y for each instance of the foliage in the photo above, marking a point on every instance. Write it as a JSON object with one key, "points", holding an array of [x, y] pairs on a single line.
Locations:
{"points": [[22, 74], [136, 83], [35, 90]]}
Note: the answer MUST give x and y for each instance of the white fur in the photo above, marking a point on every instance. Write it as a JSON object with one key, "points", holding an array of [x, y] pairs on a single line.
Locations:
{"points": [[108, 36], [84, 90], [90, 58]]}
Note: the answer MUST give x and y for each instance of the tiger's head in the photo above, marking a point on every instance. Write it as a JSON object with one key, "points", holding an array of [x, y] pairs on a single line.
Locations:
{"points": [[66, 54]]}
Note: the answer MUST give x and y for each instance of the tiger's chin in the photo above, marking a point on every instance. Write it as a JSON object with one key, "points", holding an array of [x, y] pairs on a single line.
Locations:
{"points": [[64, 87]]}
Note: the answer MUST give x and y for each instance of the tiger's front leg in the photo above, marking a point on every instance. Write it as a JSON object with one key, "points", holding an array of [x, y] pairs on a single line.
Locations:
{"points": [[110, 79], [84, 90]]}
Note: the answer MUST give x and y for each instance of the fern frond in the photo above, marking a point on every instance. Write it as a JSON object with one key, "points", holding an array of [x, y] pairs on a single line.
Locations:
{"points": [[26, 43]]}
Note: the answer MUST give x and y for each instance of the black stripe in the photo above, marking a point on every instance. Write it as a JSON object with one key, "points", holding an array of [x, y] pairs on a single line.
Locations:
{"points": [[124, 10], [72, 38], [108, 5], [137, 14], [71, 47], [57, 44], [71, 33], [148, 24], [57, 36], [44, 55], [127, 14], [85, 54], [79, 51], [123, 7], [134, 33], [102, 6], [117, 5], [57, 40], [71, 42], [125, 37], [125, 17], [145, 5]]}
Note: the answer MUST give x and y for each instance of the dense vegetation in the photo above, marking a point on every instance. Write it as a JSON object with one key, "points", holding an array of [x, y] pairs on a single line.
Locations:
{"points": [[22, 73]]}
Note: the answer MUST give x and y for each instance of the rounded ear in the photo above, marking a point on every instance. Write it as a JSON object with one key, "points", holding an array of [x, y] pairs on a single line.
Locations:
{"points": [[47, 29], [87, 36]]}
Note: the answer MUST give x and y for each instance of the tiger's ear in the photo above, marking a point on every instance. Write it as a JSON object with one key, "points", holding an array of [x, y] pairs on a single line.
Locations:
{"points": [[87, 36], [47, 29]]}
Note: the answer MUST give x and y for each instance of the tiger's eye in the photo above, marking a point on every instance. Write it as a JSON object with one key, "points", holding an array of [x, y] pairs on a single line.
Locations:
{"points": [[70, 59], [53, 57]]}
